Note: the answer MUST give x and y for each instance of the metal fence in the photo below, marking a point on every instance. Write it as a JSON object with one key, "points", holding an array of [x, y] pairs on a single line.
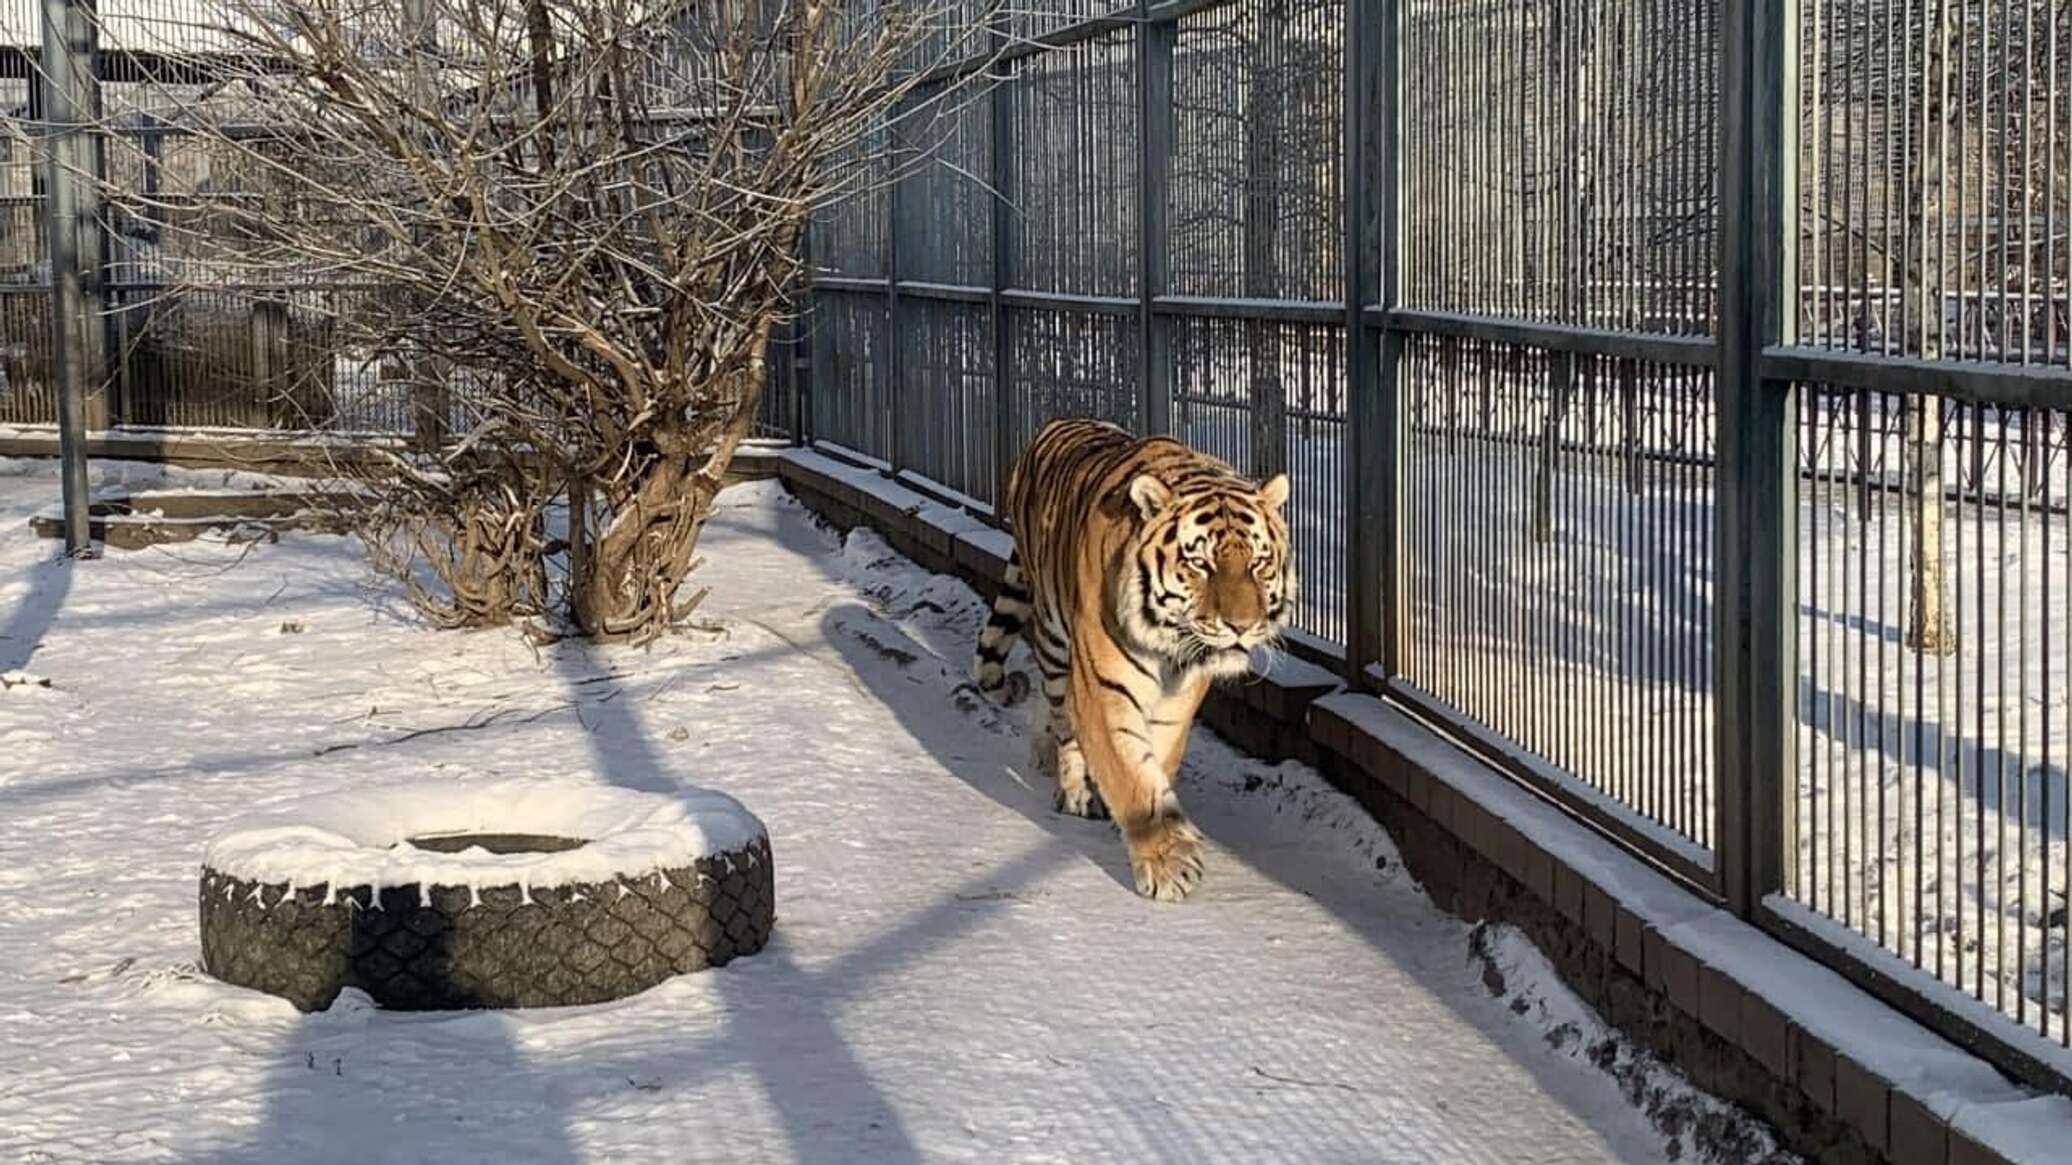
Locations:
{"points": [[177, 338], [1699, 375]]}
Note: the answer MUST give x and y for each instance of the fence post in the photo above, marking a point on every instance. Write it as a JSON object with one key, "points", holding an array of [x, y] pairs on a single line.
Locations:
{"points": [[798, 350], [1155, 42], [69, 82], [1755, 511], [895, 367], [1374, 469], [1001, 173], [429, 403]]}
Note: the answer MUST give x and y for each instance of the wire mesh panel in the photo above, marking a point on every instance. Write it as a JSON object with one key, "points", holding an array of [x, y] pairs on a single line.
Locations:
{"points": [[1935, 650], [1257, 203], [134, 29], [849, 357], [1933, 192], [1270, 398], [1559, 531], [947, 407], [25, 394], [1074, 126], [1560, 159], [848, 235], [1560, 167], [1934, 180], [178, 335], [945, 209], [1071, 364], [228, 358]]}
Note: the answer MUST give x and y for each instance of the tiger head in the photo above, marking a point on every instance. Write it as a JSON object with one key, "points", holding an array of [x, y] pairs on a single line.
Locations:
{"points": [[1210, 579]]}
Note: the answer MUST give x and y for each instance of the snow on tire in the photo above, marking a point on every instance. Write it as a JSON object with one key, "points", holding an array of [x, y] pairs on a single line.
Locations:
{"points": [[484, 894]]}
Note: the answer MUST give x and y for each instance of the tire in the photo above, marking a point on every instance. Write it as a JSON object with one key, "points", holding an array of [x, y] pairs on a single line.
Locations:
{"points": [[414, 947]]}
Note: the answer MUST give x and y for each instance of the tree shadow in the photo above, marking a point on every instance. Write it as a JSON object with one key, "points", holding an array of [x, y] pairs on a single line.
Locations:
{"points": [[1853, 621], [1998, 780], [35, 613], [625, 755]]}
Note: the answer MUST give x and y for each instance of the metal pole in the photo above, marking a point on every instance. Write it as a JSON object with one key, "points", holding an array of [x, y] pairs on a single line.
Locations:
{"points": [[1155, 42], [1001, 173], [428, 380], [1756, 511], [798, 349], [1375, 622], [67, 77], [894, 451]]}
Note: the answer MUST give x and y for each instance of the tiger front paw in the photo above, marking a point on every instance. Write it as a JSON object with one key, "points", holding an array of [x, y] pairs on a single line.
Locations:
{"points": [[1168, 866]]}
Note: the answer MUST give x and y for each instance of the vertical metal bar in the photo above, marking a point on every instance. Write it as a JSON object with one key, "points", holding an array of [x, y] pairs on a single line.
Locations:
{"points": [[800, 348], [1001, 173], [83, 32], [1755, 512], [68, 81], [1376, 631], [1155, 43], [894, 451]]}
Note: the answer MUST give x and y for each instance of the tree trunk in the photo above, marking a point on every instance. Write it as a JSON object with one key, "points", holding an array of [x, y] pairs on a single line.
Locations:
{"points": [[1561, 367], [1929, 628], [1928, 624], [634, 567]]}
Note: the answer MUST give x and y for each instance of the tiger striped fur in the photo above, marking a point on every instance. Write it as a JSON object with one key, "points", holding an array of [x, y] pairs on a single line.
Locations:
{"points": [[1142, 571]]}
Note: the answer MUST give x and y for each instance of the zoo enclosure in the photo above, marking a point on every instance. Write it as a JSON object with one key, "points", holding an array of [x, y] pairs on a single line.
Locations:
{"points": [[1652, 378], [1676, 399]]}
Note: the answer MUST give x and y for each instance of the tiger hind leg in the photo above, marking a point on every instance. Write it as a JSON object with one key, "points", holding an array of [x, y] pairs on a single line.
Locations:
{"points": [[1058, 754], [1004, 625]]}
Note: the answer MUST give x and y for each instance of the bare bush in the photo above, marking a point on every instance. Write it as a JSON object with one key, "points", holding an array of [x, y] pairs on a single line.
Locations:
{"points": [[575, 226]]}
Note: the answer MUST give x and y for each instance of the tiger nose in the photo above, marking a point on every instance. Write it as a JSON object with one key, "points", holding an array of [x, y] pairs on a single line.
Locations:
{"points": [[1244, 623]]}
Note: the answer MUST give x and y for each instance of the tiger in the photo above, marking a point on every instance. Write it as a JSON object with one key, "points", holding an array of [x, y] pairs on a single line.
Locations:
{"points": [[1142, 571]]}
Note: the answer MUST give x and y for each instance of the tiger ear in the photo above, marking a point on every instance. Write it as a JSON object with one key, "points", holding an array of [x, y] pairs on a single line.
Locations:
{"points": [[1275, 491], [1149, 495]]}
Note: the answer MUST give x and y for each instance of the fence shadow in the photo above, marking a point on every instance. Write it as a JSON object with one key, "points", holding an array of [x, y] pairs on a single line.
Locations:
{"points": [[34, 614], [317, 1092]]}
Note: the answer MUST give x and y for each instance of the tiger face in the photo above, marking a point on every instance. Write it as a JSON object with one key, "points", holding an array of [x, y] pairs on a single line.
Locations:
{"points": [[1211, 580]]}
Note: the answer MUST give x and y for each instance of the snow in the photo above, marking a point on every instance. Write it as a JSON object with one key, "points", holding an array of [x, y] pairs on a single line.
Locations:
{"points": [[341, 841], [1952, 1082], [957, 973]]}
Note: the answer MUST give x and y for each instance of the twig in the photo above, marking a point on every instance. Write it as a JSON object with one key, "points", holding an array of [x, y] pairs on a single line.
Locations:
{"points": [[1258, 1071], [469, 725]]}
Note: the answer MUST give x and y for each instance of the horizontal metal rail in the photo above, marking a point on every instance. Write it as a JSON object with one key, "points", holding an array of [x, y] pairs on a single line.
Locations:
{"points": [[2040, 386], [1078, 32], [1695, 351]]}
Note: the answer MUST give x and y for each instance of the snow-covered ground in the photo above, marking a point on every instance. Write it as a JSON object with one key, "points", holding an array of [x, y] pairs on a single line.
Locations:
{"points": [[958, 973]]}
